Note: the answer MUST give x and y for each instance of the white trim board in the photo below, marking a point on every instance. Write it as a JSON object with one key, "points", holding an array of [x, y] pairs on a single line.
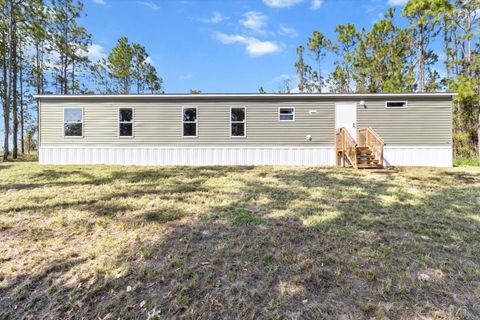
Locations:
{"points": [[320, 156], [432, 156], [419, 156]]}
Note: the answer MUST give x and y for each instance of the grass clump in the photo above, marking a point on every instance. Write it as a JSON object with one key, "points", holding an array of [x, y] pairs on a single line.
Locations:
{"points": [[466, 162], [245, 217]]}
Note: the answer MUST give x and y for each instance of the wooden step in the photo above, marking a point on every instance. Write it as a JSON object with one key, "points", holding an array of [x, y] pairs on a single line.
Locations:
{"points": [[365, 159], [382, 171], [369, 166], [364, 151]]}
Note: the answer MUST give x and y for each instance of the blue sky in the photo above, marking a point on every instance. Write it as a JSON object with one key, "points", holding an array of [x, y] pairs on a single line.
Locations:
{"points": [[223, 46]]}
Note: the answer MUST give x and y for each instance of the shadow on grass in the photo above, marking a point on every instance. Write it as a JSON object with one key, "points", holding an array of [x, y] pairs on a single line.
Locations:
{"points": [[293, 244], [66, 176]]}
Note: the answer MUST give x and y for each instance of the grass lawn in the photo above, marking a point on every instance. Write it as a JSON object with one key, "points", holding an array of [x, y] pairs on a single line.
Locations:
{"points": [[108, 242]]}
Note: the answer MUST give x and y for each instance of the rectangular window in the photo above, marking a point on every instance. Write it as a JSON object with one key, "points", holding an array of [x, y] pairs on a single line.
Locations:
{"points": [[396, 104], [286, 114], [190, 124], [73, 122], [125, 122], [238, 122]]}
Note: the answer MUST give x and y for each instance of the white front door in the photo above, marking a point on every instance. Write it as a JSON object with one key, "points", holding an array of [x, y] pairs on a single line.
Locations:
{"points": [[346, 117]]}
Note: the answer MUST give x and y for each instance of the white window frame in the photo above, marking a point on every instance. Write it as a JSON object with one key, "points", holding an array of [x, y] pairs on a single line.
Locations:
{"points": [[132, 122], [196, 123], [72, 137], [387, 102], [244, 122], [294, 112]]}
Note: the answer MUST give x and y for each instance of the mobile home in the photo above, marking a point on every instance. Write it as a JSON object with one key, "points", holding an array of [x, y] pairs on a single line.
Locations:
{"points": [[363, 130]]}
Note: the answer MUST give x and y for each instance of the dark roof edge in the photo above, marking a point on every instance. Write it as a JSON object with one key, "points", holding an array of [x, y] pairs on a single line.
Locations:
{"points": [[244, 95]]}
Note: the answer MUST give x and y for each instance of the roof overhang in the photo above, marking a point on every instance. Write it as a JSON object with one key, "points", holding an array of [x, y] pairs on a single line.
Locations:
{"points": [[247, 96]]}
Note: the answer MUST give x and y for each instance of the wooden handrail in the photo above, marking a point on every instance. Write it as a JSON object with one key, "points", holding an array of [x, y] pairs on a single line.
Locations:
{"points": [[367, 137], [373, 133], [347, 145]]}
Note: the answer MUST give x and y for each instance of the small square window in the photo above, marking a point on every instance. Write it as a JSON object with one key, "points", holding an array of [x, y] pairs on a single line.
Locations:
{"points": [[238, 129], [189, 129], [238, 114], [126, 115], [190, 114], [286, 114], [396, 104], [126, 129]]}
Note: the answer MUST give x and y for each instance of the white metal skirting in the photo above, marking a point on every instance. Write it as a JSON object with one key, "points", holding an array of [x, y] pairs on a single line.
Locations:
{"points": [[421, 156], [431, 156], [190, 156]]}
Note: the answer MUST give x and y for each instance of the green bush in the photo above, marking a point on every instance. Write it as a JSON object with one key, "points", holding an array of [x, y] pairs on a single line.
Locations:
{"points": [[466, 162]]}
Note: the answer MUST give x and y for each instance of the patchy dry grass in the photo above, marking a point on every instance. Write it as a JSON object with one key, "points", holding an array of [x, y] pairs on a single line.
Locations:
{"points": [[238, 242]]}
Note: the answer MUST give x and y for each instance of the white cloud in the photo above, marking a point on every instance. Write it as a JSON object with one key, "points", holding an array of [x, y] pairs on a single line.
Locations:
{"points": [[283, 77], [149, 4], [186, 76], [280, 80], [96, 52], [316, 4], [216, 17], [286, 31], [255, 21], [253, 46], [397, 2], [101, 2], [281, 3]]}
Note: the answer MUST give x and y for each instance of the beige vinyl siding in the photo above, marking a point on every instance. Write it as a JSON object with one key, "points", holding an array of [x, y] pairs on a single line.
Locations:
{"points": [[426, 122], [160, 124]]}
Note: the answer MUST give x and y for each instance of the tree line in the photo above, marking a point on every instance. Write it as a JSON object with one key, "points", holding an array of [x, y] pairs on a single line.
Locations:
{"points": [[390, 58], [43, 50]]}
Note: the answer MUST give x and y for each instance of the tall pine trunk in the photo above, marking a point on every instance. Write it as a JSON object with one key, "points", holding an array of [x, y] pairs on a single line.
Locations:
{"points": [[478, 134], [8, 95], [446, 43], [14, 67], [421, 60], [39, 82], [73, 76], [6, 111], [22, 111], [319, 75], [65, 61]]}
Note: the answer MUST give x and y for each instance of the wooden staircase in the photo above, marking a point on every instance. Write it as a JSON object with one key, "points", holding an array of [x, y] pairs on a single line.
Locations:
{"points": [[366, 152], [366, 159]]}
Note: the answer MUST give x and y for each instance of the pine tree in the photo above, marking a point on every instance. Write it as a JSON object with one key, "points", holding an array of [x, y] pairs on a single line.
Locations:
{"points": [[70, 42], [319, 45], [120, 65], [424, 17], [300, 68], [347, 40]]}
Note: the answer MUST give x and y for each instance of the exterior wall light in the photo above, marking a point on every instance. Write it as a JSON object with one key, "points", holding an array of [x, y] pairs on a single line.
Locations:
{"points": [[362, 104]]}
